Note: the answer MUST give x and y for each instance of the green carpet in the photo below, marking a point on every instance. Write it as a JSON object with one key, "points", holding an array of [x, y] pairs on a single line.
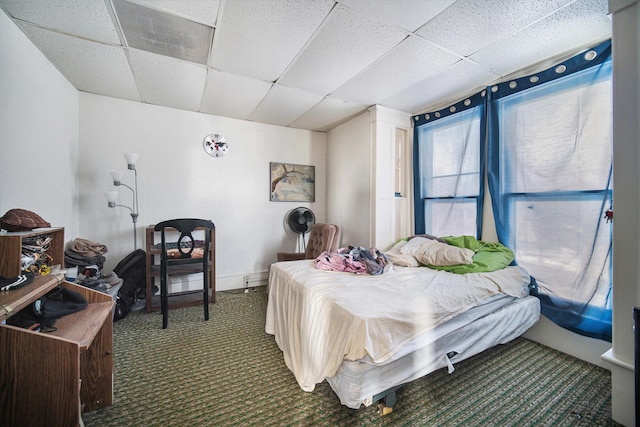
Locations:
{"points": [[229, 372]]}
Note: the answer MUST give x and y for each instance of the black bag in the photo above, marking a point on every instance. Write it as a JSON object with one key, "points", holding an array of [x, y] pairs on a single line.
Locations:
{"points": [[132, 269], [58, 302]]}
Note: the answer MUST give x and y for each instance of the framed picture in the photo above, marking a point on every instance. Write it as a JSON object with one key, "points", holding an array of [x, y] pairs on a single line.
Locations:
{"points": [[292, 183]]}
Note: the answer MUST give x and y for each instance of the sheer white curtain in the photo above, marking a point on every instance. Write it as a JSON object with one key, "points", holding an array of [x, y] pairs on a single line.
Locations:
{"points": [[550, 164], [448, 170]]}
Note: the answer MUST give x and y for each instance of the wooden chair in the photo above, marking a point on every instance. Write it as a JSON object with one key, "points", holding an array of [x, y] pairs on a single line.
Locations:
{"points": [[184, 259], [322, 237]]}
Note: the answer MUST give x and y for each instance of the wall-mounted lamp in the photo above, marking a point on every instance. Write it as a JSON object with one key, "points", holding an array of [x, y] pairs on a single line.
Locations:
{"points": [[112, 195]]}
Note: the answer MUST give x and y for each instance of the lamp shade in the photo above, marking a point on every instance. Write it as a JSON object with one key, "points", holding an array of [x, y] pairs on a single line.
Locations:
{"points": [[132, 158], [112, 197], [117, 177]]}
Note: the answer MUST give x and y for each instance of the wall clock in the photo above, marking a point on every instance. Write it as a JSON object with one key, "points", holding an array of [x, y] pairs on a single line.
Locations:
{"points": [[215, 145]]}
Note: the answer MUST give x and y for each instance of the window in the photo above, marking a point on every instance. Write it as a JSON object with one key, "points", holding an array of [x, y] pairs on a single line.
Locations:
{"points": [[449, 178], [550, 179], [549, 167]]}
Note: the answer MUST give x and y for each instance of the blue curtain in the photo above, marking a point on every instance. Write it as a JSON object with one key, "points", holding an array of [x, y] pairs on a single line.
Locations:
{"points": [[449, 147], [549, 174]]}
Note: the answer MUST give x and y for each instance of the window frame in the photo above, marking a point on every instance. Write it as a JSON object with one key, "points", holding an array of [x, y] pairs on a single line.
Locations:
{"points": [[474, 109]]}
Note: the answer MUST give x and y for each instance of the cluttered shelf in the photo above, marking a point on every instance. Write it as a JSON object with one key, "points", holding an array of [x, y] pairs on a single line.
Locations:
{"points": [[35, 250]]}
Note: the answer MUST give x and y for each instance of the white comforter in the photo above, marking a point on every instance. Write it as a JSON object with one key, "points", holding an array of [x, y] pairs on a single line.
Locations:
{"points": [[320, 318]]}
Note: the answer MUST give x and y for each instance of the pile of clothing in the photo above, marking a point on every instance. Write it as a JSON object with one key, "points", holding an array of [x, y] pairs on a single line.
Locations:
{"points": [[352, 259], [84, 261], [83, 252]]}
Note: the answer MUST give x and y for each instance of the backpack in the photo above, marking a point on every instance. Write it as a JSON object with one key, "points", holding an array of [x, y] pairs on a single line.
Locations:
{"points": [[132, 269], [47, 309]]}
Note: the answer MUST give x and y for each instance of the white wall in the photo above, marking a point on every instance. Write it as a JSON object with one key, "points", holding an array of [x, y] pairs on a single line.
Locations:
{"points": [[38, 133], [176, 178], [348, 175]]}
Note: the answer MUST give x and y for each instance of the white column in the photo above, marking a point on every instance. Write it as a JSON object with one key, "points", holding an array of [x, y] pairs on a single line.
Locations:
{"points": [[384, 122], [626, 199]]}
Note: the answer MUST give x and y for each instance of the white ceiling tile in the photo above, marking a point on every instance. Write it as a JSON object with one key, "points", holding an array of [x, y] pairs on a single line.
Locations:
{"points": [[327, 114], [283, 105], [167, 81], [468, 26], [345, 45], [408, 14], [85, 18], [159, 32], [330, 58], [462, 79], [576, 26], [205, 12], [260, 38], [411, 61], [232, 96], [89, 66]]}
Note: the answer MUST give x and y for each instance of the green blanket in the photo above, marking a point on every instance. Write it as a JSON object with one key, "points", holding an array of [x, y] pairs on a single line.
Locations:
{"points": [[488, 256]]}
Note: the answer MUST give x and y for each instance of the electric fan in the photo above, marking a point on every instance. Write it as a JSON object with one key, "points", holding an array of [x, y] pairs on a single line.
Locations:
{"points": [[300, 221]]}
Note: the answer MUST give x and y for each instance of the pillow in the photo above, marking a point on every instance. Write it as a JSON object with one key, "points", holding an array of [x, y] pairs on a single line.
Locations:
{"points": [[413, 245], [429, 236], [398, 258], [435, 253], [22, 220]]}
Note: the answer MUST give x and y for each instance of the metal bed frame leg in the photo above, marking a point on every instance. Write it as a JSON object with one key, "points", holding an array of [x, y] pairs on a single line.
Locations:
{"points": [[386, 400]]}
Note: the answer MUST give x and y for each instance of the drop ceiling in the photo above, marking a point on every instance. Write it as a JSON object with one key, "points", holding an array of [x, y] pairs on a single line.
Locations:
{"points": [[309, 64]]}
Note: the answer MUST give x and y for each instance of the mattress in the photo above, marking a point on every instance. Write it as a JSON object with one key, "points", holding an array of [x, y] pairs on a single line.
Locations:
{"points": [[321, 318], [357, 382]]}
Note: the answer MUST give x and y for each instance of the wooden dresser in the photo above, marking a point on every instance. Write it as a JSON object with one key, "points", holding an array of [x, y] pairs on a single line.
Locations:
{"points": [[49, 379]]}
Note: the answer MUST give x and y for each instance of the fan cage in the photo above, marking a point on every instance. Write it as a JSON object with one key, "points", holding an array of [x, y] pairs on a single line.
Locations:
{"points": [[300, 220]]}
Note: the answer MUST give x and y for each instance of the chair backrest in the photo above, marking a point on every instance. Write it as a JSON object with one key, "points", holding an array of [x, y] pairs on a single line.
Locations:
{"points": [[322, 237], [185, 243]]}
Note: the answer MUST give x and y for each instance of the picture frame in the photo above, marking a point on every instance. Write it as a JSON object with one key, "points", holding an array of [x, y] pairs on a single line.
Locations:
{"points": [[292, 182]]}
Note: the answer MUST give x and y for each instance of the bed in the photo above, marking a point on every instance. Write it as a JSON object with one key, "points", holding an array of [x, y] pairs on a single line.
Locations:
{"points": [[367, 335]]}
